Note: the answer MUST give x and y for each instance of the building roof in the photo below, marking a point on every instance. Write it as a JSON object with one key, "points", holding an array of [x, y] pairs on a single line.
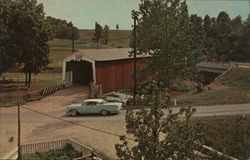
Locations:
{"points": [[106, 54]]}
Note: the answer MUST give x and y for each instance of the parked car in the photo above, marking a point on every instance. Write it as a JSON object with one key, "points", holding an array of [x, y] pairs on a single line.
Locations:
{"points": [[118, 97], [90, 106]]}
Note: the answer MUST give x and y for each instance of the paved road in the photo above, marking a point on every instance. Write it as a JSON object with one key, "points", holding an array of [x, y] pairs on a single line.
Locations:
{"points": [[201, 111], [37, 127]]}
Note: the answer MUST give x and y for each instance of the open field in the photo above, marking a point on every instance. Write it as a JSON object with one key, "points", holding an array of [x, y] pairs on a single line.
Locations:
{"points": [[8, 92], [61, 48], [231, 88], [39, 81]]}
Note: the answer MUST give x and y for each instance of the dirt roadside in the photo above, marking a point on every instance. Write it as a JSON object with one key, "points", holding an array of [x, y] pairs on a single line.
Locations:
{"points": [[35, 127]]}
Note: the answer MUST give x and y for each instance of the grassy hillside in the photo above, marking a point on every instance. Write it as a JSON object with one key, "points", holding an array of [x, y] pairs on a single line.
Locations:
{"points": [[237, 77], [228, 134], [231, 88], [61, 48]]}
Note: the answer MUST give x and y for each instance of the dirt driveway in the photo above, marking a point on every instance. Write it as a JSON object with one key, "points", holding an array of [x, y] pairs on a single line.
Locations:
{"points": [[36, 127]]}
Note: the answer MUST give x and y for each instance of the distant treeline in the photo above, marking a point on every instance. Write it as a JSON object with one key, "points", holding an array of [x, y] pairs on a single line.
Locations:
{"points": [[225, 39], [62, 29]]}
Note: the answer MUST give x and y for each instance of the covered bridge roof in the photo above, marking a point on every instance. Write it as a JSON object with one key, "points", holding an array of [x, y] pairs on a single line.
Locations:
{"points": [[103, 54]]}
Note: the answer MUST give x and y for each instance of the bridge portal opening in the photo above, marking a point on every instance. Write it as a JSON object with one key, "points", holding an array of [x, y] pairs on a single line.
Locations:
{"points": [[209, 77], [81, 72]]}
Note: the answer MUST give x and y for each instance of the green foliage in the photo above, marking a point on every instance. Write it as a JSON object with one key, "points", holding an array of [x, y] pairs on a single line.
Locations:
{"points": [[62, 29], [230, 135], [106, 34], [226, 39], [4, 37], [159, 136], [232, 88], [27, 35], [67, 153], [237, 77], [242, 43], [166, 31], [98, 33]]}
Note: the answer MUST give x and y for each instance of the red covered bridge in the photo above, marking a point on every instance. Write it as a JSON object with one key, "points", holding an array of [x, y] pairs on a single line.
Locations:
{"points": [[112, 68]]}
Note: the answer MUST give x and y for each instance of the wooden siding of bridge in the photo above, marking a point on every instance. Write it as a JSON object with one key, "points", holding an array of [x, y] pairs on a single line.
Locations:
{"points": [[115, 75]]}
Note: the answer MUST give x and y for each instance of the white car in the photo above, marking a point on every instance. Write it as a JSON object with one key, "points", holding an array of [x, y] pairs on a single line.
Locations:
{"points": [[118, 97]]}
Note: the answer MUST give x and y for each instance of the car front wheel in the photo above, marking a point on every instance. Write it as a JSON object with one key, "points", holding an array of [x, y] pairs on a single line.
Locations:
{"points": [[73, 112]]}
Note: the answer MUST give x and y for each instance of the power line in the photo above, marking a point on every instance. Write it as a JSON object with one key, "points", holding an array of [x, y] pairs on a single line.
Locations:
{"points": [[106, 132], [74, 123]]}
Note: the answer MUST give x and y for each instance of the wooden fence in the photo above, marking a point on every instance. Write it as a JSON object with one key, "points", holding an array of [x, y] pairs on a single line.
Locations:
{"points": [[43, 92], [46, 146], [52, 89]]}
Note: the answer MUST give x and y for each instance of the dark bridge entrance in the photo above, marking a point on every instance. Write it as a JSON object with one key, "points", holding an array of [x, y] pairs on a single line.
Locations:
{"points": [[82, 72], [209, 77]]}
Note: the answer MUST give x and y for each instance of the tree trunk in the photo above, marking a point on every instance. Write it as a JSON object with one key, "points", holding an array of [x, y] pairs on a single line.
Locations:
{"points": [[29, 80], [26, 79], [97, 44]]}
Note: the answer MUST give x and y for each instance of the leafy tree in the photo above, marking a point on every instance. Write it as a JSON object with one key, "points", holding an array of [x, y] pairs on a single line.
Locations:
{"points": [[157, 136], [166, 32], [28, 36], [106, 34], [223, 26], [62, 29], [98, 34], [117, 26], [234, 39], [242, 50], [209, 29], [237, 23], [207, 24], [4, 17]]}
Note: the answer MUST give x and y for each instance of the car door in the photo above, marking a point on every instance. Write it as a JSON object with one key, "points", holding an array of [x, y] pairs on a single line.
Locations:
{"points": [[90, 107]]}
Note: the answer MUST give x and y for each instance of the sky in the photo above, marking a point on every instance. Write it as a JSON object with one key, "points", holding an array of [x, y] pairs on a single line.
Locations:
{"points": [[84, 13]]}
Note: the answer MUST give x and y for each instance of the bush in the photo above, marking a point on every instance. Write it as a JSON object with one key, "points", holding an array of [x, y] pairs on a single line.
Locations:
{"points": [[67, 153], [230, 135]]}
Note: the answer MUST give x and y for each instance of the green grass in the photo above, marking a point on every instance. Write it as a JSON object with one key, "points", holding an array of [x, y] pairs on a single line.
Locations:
{"points": [[231, 88], [228, 134], [237, 77], [216, 96], [41, 80]]}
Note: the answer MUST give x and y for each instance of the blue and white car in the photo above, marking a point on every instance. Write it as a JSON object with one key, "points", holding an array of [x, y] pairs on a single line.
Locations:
{"points": [[95, 106]]}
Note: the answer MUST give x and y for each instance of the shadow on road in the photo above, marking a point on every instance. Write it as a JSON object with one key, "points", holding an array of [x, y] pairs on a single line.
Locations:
{"points": [[89, 115]]}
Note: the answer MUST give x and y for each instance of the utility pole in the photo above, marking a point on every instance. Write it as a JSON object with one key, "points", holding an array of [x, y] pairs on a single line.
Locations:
{"points": [[135, 16], [18, 122], [249, 10], [72, 36]]}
